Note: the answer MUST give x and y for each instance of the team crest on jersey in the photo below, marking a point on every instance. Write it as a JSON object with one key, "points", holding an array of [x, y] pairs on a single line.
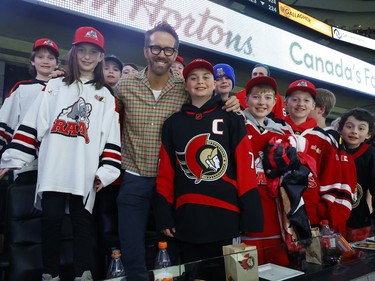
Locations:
{"points": [[312, 181], [357, 195], [261, 176], [203, 159], [74, 121]]}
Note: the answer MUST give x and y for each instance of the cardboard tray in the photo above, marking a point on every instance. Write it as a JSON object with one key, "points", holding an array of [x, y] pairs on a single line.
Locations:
{"points": [[274, 272]]}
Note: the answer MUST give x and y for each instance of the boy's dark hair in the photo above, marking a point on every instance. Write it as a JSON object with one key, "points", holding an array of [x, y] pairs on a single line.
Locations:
{"points": [[325, 98], [74, 74], [360, 114], [32, 69], [132, 65], [264, 66], [162, 27]]}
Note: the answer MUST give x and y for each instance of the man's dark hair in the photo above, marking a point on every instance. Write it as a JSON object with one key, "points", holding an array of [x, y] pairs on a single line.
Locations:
{"points": [[265, 66], [162, 27], [361, 115]]}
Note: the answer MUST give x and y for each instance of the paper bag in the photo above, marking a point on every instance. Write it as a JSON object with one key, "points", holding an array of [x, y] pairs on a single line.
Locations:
{"points": [[314, 251], [241, 262]]}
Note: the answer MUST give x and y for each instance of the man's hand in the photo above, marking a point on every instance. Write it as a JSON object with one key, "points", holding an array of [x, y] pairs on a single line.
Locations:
{"points": [[169, 232], [232, 104], [98, 185], [3, 172], [57, 73]]}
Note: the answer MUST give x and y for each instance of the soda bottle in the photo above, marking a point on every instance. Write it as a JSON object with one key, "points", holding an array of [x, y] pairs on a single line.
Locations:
{"points": [[115, 269], [330, 253], [162, 264]]}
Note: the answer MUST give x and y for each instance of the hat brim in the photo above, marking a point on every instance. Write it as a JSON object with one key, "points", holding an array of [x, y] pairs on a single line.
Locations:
{"points": [[197, 64], [115, 60], [89, 42], [57, 54], [311, 91], [267, 80]]}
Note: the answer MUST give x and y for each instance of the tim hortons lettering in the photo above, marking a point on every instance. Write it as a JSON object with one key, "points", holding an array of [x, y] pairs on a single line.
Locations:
{"points": [[204, 26]]}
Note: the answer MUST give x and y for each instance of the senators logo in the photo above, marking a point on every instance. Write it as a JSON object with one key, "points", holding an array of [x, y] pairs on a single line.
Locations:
{"points": [[357, 195], [74, 121], [203, 159]]}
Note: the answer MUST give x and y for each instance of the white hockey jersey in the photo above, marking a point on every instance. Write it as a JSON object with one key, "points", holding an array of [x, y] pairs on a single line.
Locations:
{"points": [[76, 133], [13, 110]]}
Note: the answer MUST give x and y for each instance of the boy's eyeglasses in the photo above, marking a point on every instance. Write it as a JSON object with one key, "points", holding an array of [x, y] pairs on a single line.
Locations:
{"points": [[156, 50]]}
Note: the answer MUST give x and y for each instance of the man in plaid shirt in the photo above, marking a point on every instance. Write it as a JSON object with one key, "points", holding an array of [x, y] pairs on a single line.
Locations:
{"points": [[148, 98]]}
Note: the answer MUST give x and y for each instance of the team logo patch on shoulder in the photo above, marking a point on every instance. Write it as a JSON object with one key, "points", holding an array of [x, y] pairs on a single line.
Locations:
{"points": [[100, 98], [203, 159]]}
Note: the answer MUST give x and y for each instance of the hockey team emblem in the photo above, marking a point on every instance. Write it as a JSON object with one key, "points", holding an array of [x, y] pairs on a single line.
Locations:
{"points": [[74, 121], [357, 195], [203, 159], [92, 34]]}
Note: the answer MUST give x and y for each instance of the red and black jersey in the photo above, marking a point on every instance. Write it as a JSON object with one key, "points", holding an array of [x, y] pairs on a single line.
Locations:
{"points": [[364, 158], [330, 196], [260, 137], [206, 185]]}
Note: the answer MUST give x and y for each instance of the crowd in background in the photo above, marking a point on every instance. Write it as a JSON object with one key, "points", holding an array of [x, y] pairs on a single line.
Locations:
{"points": [[209, 165]]}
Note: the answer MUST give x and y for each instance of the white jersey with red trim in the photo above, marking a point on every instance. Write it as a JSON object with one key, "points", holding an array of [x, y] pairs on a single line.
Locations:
{"points": [[13, 111], [77, 127]]}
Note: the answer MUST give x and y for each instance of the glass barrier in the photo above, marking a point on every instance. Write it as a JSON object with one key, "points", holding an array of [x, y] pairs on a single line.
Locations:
{"points": [[243, 265]]}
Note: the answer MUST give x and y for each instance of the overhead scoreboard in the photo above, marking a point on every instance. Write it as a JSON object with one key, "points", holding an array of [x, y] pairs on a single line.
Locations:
{"points": [[270, 5]]}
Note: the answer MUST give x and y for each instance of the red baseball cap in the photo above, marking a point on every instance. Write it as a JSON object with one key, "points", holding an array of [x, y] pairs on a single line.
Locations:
{"points": [[197, 63], [261, 80], [302, 85], [180, 60], [87, 34], [47, 43]]}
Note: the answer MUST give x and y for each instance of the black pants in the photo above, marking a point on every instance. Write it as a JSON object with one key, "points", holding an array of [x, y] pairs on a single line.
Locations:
{"points": [[211, 268], [53, 211]]}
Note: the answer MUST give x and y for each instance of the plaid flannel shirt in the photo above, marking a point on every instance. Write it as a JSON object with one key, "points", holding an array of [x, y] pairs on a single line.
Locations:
{"points": [[143, 119]]}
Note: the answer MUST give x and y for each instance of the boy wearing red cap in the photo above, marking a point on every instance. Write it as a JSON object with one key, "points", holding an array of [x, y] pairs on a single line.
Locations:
{"points": [[74, 128], [260, 99], [43, 61], [278, 110], [178, 66], [328, 197], [206, 187]]}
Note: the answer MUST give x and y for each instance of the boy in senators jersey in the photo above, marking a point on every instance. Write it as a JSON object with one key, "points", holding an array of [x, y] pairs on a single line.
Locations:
{"points": [[206, 186], [356, 127]]}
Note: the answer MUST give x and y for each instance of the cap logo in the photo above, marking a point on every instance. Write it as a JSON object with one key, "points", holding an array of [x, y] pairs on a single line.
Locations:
{"points": [[92, 34], [220, 72], [48, 42], [302, 83]]}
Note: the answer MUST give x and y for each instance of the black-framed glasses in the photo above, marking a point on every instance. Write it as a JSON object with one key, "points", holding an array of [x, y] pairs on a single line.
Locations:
{"points": [[155, 50]]}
